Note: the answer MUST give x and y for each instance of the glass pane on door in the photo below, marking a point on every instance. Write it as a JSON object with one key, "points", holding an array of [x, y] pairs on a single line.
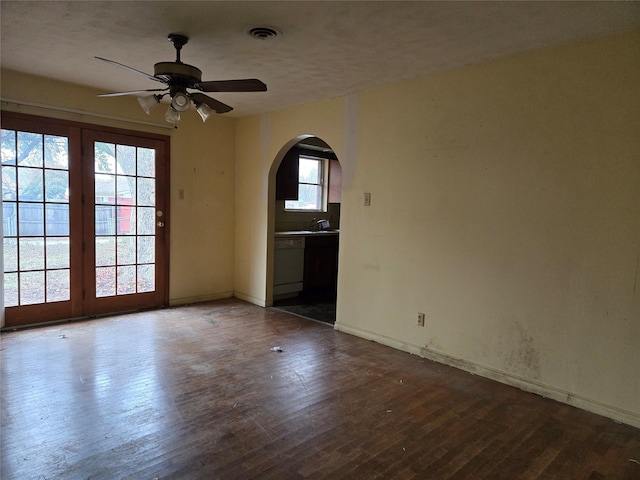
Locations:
{"points": [[125, 210], [35, 193]]}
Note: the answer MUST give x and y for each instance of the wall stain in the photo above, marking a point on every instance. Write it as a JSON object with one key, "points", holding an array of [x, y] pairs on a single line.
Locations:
{"points": [[524, 356], [434, 344], [519, 353]]}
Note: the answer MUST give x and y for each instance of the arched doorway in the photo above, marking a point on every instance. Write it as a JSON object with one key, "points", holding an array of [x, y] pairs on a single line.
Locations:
{"points": [[306, 219]]}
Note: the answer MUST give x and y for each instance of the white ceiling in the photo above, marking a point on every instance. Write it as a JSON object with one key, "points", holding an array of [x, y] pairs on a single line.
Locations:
{"points": [[326, 49]]}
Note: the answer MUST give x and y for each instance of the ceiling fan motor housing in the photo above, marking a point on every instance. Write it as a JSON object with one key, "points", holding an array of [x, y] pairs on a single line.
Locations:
{"points": [[177, 73]]}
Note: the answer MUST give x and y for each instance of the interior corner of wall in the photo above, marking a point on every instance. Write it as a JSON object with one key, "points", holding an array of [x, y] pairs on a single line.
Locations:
{"points": [[265, 135], [350, 139]]}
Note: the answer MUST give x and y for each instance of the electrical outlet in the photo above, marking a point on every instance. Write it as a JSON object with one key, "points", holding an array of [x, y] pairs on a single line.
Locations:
{"points": [[420, 319]]}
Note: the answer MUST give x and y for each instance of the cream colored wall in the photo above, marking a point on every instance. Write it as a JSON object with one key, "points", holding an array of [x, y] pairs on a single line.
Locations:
{"points": [[505, 206], [202, 236], [252, 173], [202, 165], [514, 222], [260, 144]]}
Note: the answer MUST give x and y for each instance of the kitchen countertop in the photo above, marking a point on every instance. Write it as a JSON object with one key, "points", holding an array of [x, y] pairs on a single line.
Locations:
{"points": [[306, 233]]}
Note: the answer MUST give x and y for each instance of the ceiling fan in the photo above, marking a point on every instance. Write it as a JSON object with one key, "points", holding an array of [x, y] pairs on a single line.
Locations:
{"points": [[178, 79]]}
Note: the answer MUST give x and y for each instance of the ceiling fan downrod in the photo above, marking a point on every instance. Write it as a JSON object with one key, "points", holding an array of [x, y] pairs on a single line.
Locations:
{"points": [[178, 42]]}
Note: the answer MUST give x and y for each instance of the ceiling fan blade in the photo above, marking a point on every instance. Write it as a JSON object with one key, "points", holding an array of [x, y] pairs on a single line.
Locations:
{"points": [[132, 92], [244, 85], [150, 77], [217, 106]]}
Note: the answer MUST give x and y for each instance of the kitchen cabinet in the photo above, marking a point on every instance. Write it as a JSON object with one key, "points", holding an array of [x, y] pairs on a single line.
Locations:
{"points": [[320, 263], [287, 177], [335, 182]]}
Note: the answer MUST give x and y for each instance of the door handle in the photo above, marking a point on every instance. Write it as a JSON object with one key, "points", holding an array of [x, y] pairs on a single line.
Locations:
{"points": [[160, 224]]}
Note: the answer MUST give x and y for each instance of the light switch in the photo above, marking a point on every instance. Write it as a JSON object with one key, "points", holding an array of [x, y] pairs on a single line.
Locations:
{"points": [[367, 199]]}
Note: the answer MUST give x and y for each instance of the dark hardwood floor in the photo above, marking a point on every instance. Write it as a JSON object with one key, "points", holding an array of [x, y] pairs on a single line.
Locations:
{"points": [[197, 393]]}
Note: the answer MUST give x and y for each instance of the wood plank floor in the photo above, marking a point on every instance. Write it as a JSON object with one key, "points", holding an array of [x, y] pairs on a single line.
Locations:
{"points": [[196, 393]]}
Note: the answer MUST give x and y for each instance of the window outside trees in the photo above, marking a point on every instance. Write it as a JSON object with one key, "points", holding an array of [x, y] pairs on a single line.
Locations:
{"points": [[310, 185], [35, 194]]}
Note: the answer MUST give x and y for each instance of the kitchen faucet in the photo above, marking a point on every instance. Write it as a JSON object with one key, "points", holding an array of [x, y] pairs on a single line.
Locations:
{"points": [[319, 224]]}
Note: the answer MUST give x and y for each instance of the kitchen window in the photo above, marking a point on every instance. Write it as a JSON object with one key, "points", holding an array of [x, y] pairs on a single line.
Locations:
{"points": [[311, 191]]}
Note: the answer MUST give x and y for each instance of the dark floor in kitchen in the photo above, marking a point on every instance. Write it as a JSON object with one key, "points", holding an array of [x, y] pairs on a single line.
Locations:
{"points": [[316, 306]]}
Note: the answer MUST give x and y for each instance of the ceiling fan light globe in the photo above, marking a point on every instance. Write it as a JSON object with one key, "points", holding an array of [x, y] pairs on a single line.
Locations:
{"points": [[181, 102], [172, 116], [148, 102], [204, 110]]}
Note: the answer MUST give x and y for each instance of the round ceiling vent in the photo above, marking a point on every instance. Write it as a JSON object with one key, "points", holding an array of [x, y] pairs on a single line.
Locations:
{"points": [[263, 33]]}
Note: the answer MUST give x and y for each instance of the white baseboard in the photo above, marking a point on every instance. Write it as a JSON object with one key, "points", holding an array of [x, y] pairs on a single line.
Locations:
{"points": [[532, 386], [250, 298]]}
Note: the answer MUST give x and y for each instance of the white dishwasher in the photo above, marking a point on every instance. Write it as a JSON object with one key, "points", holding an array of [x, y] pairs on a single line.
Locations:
{"points": [[288, 270]]}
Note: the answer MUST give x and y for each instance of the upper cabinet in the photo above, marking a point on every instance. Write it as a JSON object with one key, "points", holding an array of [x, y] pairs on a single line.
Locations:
{"points": [[287, 177]]}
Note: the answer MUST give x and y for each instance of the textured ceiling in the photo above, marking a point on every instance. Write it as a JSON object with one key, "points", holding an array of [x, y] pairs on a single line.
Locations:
{"points": [[326, 49]]}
